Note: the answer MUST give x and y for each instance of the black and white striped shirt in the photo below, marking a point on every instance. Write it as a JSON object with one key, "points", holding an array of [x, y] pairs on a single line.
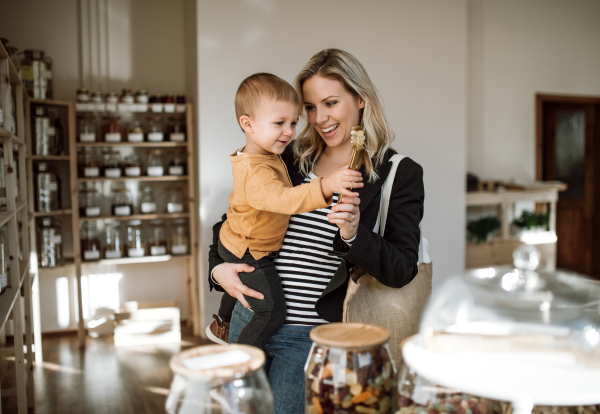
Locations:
{"points": [[304, 265]]}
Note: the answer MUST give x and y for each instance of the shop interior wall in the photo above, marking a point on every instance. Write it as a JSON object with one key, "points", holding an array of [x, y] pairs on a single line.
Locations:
{"points": [[414, 51], [529, 47], [106, 45]]}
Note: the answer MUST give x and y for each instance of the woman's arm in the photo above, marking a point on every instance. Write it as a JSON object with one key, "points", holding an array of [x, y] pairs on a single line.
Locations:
{"points": [[214, 259], [392, 259]]}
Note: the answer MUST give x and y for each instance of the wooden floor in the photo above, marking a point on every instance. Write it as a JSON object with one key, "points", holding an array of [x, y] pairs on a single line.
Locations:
{"points": [[101, 379]]}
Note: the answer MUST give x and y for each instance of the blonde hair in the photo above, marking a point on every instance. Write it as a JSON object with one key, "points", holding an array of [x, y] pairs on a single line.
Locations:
{"points": [[342, 66], [259, 86]]}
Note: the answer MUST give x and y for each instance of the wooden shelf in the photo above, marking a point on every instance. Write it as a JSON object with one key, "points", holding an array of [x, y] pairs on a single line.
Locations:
{"points": [[49, 157], [540, 192], [162, 144], [21, 205], [135, 108], [142, 178], [68, 262], [7, 301], [164, 216], [52, 213], [23, 268], [5, 216], [51, 102], [6, 134], [134, 260]]}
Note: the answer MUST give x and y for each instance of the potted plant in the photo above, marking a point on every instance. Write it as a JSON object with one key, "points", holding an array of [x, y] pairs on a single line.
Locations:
{"points": [[482, 230]]}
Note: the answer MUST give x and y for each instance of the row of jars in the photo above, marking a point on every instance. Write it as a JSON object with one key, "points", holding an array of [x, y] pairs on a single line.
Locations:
{"points": [[110, 164], [48, 133], [127, 97], [134, 239], [122, 204], [153, 130]]}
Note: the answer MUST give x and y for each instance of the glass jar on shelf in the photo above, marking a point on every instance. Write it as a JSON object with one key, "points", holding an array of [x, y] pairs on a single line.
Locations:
{"points": [[175, 200], [350, 369], [127, 96], [155, 163], [176, 129], [97, 97], [44, 133], [155, 129], [111, 167], [147, 202], [179, 237], [168, 98], [177, 166], [136, 245], [220, 379], [112, 98], [83, 95], [156, 98], [135, 132], [49, 242], [132, 166], [180, 99], [48, 188], [90, 242], [157, 238], [114, 243], [141, 97], [88, 163], [87, 128], [111, 129], [89, 202], [122, 204]]}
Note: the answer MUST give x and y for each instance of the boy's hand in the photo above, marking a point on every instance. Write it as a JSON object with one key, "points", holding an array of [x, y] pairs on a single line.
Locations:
{"points": [[341, 182]]}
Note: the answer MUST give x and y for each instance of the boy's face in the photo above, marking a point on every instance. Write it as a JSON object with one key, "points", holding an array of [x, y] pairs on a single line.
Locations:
{"points": [[272, 128]]}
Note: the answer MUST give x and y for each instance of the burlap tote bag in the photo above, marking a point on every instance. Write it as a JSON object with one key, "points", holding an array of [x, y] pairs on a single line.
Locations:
{"points": [[398, 310]]}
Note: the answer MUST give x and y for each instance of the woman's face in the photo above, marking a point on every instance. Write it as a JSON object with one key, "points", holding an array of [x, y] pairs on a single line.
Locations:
{"points": [[331, 109]]}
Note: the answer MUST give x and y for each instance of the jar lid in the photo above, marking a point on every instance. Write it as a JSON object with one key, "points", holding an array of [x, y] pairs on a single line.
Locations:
{"points": [[82, 90], [97, 94], [142, 92], [350, 335], [112, 94], [126, 91], [218, 361]]}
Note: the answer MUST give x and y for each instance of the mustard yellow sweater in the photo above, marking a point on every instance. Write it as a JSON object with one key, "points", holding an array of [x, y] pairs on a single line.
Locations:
{"points": [[261, 203]]}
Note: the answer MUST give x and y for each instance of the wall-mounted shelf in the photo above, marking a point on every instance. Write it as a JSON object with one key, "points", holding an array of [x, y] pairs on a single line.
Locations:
{"points": [[142, 178], [49, 157], [52, 213], [136, 260], [162, 144], [164, 216]]}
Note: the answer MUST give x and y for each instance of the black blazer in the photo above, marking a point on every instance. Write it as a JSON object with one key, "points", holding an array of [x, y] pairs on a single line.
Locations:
{"points": [[391, 259]]}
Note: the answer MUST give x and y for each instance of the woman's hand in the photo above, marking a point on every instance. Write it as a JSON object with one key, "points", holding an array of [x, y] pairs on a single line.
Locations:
{"points": [[226, 275], [346, 216]]}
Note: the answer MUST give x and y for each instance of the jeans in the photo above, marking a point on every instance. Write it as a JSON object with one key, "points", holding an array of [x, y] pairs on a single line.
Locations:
{"points": [[286, 352]]}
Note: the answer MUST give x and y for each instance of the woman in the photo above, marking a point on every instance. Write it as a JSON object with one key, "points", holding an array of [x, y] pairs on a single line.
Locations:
{"points": [[323, 247]]}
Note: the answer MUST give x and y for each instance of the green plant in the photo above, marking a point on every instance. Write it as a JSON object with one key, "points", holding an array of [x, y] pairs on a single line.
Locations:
{"points": [[529, 220], [480, 230]]}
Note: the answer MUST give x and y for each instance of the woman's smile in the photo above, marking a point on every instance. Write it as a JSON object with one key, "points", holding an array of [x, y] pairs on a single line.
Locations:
{"points": [[329, 132]]}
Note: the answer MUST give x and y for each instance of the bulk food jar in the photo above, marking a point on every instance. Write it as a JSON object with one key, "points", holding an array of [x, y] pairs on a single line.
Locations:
{"points": [[179, 237], [122, 204], [36, 73], [88, 163], [90, 241], [155, 163], [111, 165], [114, 246], [157, 238], [44, 133], [47, 188], [147, 202], [49, 240], [111, 130], [350, 370], [136, 244], [87, 128], [155, 129], [135, 132], [132, 166], [89, 202], [176, 129], [218, 379]]}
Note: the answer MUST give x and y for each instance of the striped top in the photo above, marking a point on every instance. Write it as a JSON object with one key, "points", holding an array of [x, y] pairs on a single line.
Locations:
{"points": [[303, 263]]}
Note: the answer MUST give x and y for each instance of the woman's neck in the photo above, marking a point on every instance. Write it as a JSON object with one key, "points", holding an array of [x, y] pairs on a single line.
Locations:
{"points": [[332, 159]]}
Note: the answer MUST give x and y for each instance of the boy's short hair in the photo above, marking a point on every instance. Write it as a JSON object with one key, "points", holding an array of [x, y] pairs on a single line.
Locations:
{"points": [[259, 86]]}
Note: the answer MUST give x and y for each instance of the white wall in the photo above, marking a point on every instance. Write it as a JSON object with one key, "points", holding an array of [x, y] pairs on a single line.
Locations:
{"points": [[414, 51]]}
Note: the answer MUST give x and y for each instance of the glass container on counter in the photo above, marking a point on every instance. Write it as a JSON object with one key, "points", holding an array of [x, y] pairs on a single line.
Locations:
{"points": [[350, 369], [132, 166], [157, 238], [155, 163], [48, 188], [111, 166], [175, 200], [88, 163], [90, 242], [45, 143], [89, 202], [135, 132], [49, 242], [87, 128], [177, 165], [155, 129], [176, 129], [136, 245], [179, 237], [114, 247], [217, 379], [147, 202], [122, 204], [111, 129]]}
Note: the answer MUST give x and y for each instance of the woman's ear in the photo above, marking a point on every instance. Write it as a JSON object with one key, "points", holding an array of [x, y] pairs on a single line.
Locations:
{"points": [[246, 124], [361, 103]]}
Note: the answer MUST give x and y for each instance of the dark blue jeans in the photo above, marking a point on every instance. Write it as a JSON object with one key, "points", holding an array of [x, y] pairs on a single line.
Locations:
{"points": [[287, 352]]}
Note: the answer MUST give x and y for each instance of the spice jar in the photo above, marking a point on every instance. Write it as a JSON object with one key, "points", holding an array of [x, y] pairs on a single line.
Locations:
{"points": [[127, 96], [156, 98], [147, 203], [44, 133], [48, 188], [179, 237], [111, 165], [136, 246], [141, 97], [88, 163], [168, 98], [114, 247], [132, 166], [175, 200], [122, 204], [112, 98], [215, 379], [83, 95], [155, 164], [350, 369], [177, 166], [90, 242], [155, 129], [157, 238], [97, 97], [89, 202], [135, 132], [49, 242], [176, 129], [87, 129], [111, 129], [180, 99]]}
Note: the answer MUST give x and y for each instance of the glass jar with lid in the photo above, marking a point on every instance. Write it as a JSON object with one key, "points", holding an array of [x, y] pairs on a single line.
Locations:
{"points": [[157, 238], [147, 202], [114, 243], [176, 129], [87, 128], [112, 98], [132, 166], [141, 97], [175, 200], [49, 242], [155, 129], [89, 202], [111, 166], [350, 369], [177, 166], [88, 163], [83, 95], [44, 133], [127, 96], [90, 242], [155, 163], [135, 131], [156, 98], [111, 129], [220, 379], [48, 188], [97, 97], [136, 245], [179, 237], [122, 204]]}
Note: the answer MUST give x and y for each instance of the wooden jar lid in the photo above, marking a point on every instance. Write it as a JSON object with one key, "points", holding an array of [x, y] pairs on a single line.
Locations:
{"points": [[349, 335], [197, 362]]}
